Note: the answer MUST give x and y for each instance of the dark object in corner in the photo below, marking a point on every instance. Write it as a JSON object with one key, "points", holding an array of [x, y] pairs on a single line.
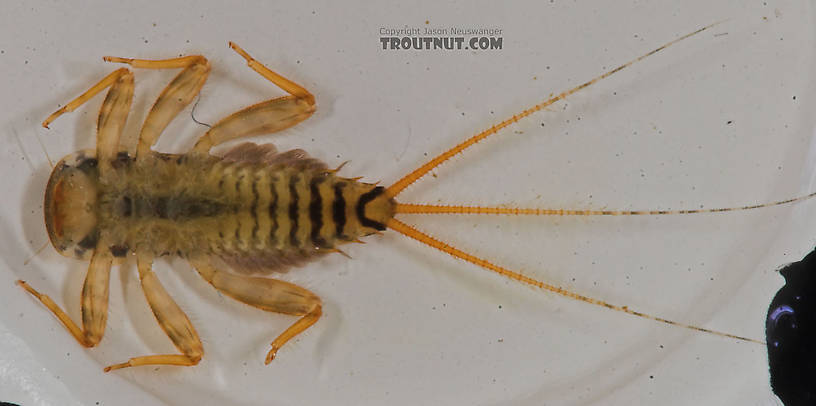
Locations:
{"points": [[790, 331]]}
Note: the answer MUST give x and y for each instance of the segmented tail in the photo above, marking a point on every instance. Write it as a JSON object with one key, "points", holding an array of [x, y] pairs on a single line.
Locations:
{"points": [[412, 177], [408, 208], [409, 231], [412, 232]]}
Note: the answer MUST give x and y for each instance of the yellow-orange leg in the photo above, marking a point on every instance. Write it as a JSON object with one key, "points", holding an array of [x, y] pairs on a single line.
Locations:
{"points": [[270, 295], [112, 115], [94, 302], [174, 98], [265, 117], [171, 319]]}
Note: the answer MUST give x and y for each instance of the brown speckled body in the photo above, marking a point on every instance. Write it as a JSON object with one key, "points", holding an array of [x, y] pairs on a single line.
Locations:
{"points": [[254, 208]]}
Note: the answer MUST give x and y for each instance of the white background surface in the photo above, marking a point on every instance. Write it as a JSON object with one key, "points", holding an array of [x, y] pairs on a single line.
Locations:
{"points": [[722, 119]]}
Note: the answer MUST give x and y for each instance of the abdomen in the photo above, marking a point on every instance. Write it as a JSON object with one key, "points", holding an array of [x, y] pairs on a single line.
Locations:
{"points": [[252, 215]]}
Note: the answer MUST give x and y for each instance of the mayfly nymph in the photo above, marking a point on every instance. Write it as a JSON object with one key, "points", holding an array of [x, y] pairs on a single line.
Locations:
{"points": [[252, 210]]}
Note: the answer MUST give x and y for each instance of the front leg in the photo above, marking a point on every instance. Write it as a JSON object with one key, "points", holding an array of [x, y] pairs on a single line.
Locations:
{"points": [[112, 115], [94, 302]]}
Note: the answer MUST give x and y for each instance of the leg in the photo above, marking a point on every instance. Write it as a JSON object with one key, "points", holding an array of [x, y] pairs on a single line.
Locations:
{"points": [[263, 118], [270, 295], [112, 115], [174, 98], [111, 121], [171, 319], [94, 302]]}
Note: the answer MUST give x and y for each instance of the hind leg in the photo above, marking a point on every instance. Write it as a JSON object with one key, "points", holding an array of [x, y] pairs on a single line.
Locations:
{"points": [[270, 295], [263, 118]]}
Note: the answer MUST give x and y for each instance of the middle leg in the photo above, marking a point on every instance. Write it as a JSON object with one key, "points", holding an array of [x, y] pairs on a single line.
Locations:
{"points": [[171, 319], [174, 98]]}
